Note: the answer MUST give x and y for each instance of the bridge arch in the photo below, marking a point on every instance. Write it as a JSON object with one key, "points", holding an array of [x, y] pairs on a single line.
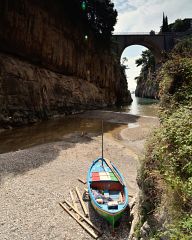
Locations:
{"points": [[128, 58], [156, 43]]}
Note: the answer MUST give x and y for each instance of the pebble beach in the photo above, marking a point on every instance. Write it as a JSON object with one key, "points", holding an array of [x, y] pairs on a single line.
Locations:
{"points": [[33, 181]]}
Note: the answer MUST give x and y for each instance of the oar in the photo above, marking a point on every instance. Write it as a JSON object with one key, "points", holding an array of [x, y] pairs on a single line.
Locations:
{"points": [[102, 141], [114, 171]]}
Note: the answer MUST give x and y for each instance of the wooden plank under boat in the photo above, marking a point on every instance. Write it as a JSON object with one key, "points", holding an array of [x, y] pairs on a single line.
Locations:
{"points": [[107, 190]]}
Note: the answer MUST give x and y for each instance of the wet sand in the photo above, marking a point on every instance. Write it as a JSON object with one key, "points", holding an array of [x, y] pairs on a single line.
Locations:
{"points": [[35, 180]]}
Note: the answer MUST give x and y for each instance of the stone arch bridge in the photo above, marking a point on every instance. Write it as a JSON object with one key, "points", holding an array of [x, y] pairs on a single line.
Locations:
{"points": [[157, 43]]}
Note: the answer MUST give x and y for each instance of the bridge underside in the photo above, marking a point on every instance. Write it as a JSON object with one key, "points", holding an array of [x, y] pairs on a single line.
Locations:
{"points": [[156, 43]]}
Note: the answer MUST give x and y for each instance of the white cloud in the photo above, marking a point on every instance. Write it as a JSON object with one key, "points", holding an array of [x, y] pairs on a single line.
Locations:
{"points": [[123, 6], [145, 15]]}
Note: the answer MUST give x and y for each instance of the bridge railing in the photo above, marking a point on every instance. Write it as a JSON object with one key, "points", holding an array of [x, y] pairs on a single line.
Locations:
{"points": [[146, 33], [133, 33]]}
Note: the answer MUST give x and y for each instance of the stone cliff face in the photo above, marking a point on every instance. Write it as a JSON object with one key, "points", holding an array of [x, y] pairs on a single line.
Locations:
{"points": [[28, 93], [123, 96], [147, 87], [48, 68]]}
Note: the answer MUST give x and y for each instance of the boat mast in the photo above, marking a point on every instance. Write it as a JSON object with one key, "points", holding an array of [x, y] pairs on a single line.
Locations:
{"points": [[102, 139]]}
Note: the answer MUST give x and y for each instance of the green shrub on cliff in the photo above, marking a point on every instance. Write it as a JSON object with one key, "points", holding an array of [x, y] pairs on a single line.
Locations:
{"points": [[166, 179], [101, 17], [147, 86], [97, 17], [183, 48], [176, 84]]}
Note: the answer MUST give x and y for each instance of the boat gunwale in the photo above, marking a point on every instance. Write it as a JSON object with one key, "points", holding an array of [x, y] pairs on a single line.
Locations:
{"points": [[92, 197]]}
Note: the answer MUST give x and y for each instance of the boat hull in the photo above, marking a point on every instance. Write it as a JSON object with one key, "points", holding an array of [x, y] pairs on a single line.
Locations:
{"points": [[101, 177], [111, 218]]}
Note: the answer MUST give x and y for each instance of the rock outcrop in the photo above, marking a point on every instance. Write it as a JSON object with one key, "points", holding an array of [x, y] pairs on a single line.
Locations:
{"points": [[47, 67], [29, 93], [147, 87]]}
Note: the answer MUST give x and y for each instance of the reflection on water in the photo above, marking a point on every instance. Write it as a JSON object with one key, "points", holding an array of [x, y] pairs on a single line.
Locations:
{"points": [[133, 125], [141, 106], [49, 131], [57, 129]]}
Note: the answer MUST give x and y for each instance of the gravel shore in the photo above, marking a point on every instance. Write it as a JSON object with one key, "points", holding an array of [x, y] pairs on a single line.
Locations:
{"points": [[33, 181]]}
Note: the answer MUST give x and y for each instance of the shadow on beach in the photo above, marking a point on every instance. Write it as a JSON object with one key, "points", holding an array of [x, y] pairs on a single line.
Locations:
{"points": [[30, 147], [121, 230]]}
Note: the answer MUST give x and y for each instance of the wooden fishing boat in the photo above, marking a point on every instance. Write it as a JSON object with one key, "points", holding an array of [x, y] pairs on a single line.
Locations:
{"points": [[107, 190]]}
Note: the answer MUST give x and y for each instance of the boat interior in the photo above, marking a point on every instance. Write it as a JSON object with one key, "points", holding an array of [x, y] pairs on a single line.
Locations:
{"points": [[107, 191]]}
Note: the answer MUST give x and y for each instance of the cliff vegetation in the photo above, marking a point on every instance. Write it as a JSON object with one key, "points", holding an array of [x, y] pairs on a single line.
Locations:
{"points": [[166, 175], [147, 83]]}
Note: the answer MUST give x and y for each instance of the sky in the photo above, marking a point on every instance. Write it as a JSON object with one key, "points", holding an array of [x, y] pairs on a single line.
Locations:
{"points": [[144, 16]]}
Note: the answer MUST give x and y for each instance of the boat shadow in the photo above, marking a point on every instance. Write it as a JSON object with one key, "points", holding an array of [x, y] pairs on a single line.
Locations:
{"points": [[121, 230]]}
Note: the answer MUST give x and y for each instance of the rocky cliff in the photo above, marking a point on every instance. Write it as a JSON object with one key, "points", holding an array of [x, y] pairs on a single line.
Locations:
{"points": [[147, 87], [47, 67], [147, 84]]}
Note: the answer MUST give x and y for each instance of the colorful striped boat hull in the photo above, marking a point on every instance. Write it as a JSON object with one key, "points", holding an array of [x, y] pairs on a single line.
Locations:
{"points": [[112, 183], [111, 218]]}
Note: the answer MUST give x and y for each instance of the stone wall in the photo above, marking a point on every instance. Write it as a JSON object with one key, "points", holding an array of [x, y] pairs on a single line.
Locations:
{"points": [[47, 66]]}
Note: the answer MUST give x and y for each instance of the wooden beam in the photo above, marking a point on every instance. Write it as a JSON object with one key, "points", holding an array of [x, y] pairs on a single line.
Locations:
{"points": [[73, 201], [94, 235], [82, 181], [84, 218], [82, 203]]}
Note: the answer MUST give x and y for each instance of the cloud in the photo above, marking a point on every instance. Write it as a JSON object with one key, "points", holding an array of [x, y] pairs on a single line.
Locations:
{"points": [[145, 15], [123, 6]]}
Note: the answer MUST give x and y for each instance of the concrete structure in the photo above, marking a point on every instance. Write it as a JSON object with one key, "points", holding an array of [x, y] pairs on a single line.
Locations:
{"points": [[157, 43]]}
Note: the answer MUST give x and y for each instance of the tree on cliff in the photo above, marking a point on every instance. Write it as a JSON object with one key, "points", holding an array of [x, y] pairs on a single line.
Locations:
{"points": [[165, 26], [180, 26], [147, 61], [98, 16], [147, 86], [101, 17]]}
